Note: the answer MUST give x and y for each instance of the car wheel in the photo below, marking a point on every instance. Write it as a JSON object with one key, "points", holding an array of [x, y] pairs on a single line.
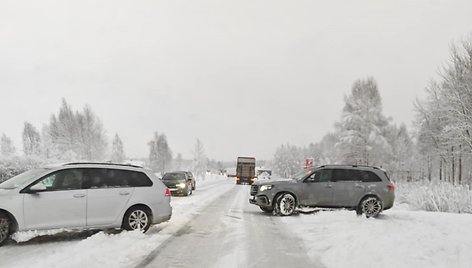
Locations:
{"points": [[286, 204], [194, 186], [370, 206], [137, 218], [5, 228], [188, 189], [267, 209]]}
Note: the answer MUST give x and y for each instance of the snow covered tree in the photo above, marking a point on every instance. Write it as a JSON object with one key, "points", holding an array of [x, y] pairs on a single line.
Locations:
{"points": [[153, 153], [75, 136], [160, 155], [200, 159], [31, 140], [444, 118], [164, 153], [117, 151], [288, 160], [362, 127], [7, 149]]}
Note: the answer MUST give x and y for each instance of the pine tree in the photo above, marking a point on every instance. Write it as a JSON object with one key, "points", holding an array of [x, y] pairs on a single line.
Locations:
{"points": [[362, 127]]}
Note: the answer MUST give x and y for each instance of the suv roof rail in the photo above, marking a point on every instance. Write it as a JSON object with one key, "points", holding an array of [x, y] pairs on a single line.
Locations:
{"points": [[346, 165], [102, 163]]}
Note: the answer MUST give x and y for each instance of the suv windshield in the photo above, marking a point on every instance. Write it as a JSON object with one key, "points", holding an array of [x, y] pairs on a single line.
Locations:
{"points": [[22, 178], [174, 176], [302, 174]]}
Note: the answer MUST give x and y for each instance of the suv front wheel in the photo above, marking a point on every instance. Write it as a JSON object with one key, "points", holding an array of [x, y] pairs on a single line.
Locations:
{"points": [[286, 204], [370, 206]]}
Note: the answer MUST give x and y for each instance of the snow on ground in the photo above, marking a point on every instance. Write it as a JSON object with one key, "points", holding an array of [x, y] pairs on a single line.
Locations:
{"points": [[399, 238], [125, 249]]}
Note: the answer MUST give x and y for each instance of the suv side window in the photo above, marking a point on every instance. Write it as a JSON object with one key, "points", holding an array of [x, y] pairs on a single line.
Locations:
{"points": [[66, 179], [323, 175], [346, 175]]}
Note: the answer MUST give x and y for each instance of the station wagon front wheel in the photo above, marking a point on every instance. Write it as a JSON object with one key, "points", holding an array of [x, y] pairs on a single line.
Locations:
{"points": [[5, 228], [286, 204], [371, 206], [137, 218]]}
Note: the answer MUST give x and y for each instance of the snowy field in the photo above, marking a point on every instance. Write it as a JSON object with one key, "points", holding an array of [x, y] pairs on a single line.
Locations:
{"points": [[234, 233]]}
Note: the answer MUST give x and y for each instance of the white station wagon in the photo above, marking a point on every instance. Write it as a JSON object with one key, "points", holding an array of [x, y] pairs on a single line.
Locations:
{"points": [[82, 196]]}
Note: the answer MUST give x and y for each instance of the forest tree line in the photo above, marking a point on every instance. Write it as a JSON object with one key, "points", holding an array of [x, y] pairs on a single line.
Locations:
{"points": [[438, 147]]}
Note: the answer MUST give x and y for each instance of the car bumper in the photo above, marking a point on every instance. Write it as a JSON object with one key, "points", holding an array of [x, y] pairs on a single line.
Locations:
{"points": [[260, 200]]}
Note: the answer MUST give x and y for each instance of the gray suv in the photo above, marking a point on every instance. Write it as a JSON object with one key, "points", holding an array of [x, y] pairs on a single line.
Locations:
{"points": [[366, 189]]}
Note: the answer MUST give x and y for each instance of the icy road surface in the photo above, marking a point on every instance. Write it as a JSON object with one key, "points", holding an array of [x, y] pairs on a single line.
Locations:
{"points": [[217, 227]]}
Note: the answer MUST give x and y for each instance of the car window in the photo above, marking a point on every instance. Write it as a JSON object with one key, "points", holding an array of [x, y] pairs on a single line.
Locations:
{"points": [[112, 178], [368, 176], [346, 175], [67, 179], [174, 176], [323, 175]]}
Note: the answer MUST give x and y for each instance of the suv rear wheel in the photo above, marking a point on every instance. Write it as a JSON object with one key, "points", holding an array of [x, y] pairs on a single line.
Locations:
{"points": [[5, 228], [371, 206], [286, 204]]}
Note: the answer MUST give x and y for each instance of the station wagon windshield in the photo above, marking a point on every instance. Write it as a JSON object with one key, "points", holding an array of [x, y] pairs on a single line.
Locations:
{"points": [[21, 179]]}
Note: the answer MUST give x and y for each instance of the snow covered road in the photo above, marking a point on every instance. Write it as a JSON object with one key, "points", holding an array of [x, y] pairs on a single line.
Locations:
{"points": [[217, 227], [232, 233]]}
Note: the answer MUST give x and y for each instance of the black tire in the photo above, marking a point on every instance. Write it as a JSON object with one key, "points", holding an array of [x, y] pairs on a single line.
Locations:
{"points": [[5, 228], [370, 206], [285, 204], [188, 189], [137, 218], [194, 186], [267, 209]]}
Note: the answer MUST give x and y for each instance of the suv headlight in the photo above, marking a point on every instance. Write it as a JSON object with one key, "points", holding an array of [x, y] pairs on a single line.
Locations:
{"points": [[265, 187]]}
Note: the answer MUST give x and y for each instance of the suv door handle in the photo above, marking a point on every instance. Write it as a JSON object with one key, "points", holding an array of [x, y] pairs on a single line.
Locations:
{"points": [[79, 195], [124, 193]]}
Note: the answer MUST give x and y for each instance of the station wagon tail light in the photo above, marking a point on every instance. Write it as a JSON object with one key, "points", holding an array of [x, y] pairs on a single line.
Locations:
{"points": [[167, 192], [391, 187]]}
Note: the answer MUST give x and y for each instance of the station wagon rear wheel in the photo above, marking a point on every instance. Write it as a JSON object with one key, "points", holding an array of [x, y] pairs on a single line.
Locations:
{"points": [[371, 206], [286, 204], [137, 218], [5, 228]]}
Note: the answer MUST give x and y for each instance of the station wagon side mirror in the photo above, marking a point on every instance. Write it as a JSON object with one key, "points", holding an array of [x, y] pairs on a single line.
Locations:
{"points": [[37, 188]]}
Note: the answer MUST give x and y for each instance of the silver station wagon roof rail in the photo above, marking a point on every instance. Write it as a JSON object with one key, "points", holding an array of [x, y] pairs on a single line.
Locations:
{"points": [[101, 163]]}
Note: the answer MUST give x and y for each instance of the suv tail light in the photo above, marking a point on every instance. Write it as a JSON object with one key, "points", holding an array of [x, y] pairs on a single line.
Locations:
{"points": [[391, 186], [167, 192]]}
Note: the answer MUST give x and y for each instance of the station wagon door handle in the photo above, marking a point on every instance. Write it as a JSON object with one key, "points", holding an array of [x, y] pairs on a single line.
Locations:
{"points": [[79, 195], [124, 193]]}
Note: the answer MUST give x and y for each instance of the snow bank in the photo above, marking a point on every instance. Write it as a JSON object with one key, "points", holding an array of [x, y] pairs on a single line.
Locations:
{"points": [[438, 196], [396, 239]]}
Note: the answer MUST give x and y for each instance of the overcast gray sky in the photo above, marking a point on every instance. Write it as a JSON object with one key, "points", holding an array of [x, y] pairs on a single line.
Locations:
{"points": [[244, 76]]}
